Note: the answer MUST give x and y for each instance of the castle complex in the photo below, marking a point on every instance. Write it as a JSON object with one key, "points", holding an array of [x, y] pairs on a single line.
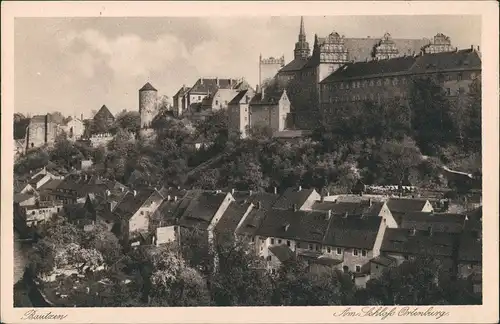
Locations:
{"points": [[334, 51]]}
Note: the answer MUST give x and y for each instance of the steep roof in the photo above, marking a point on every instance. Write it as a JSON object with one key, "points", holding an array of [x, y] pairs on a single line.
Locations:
{"points": [[19, 197], [293, 196], [268, 99], [352, 208], [294, 65], [231, 217], [297, 225], [400, 240], [352, 231], [147, 87], [462, 59], [19, 185], [129, 205], [182, 91], [441, 222], [210, 85], [52, 184], [361, 49], [236, 99], [262, 200], [201, 209], [252, 222], [403, 205], [376, 67], [104, 113]]}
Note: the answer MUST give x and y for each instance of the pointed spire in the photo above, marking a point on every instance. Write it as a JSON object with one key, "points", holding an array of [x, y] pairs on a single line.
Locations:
{"points": [[302, 29]]}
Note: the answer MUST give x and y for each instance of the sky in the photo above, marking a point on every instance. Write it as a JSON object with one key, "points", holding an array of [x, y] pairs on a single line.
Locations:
{"points": [[76, 65]]}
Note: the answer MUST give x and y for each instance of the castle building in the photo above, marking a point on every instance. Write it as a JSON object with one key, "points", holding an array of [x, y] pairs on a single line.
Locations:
{"points": [[206, 94], [250, 109], [391, 79], [269, 67], [41, 131], [334, 51], [74, 128]]}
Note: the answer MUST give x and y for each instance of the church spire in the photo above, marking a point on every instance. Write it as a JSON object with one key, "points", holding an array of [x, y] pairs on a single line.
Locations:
{"points": [[302, 46], [302, 29]]}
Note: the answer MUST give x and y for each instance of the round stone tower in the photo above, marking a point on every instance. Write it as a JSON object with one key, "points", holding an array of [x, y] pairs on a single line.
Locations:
{"points": [[147, 104]]}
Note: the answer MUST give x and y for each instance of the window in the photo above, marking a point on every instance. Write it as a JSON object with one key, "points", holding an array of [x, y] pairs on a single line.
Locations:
{"points": [[199, 97], [372, 83], [33, 213], [310, 246], [358, 268], [363, 252], [473, 76], [273, 271], [345, 268], [387, 82], [317, 247], [347, 85], [297, 245], [355, 252], [272, 241], [328, 250], [406, 257], [261, 248], [379, 82], [253, 239], [268, 258], [448, 91], [339, 251], [216, 102], [288, 243], [459, 77], [279, 241]]}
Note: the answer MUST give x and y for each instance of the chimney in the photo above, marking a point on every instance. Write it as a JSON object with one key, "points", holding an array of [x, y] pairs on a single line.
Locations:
{"points": [[478, 48], [217, 81], [81, 117], [294, 207], [370, 202], [201, 81], [258, 204], [135, 193], [429, 230], [232, 191], [287, 226], [329, 214], [175, 198], [108, 193], [472, 47], [250, 192], [322, 198], [263, 92], [346, 214], [413, 231], [168, 198], [300, 188], [257, 89]]}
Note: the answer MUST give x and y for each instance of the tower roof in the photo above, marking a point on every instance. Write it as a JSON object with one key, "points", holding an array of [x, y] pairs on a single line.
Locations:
{"points": [[147, 87], [103, 113], [302, 29]]}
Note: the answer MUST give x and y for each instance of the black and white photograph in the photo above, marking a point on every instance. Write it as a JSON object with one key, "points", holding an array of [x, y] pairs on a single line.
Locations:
{"points": [[267, 160]]}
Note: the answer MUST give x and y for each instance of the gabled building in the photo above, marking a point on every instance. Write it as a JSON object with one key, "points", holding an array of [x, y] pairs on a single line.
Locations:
{"points": [[297, 199], [439, 222], [104, 115], [180, 101], [133, 213], [401, 206]]}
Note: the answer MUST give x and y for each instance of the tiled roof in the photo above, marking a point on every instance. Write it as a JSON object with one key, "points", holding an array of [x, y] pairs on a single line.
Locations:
{"points": [[462, 59], [19, 197], [352, 208], [147, 87], [293, 196], [294, 65], [440, 222], [352, 231], [403, 205], [400, 240], [299, 225], [231, 217], [168, 212], [384, 260], [361, 49], [252, 222], [210, 85], [282, 252], [19, 185], [129, 205], [182, 91], [104, 113], [263, 199], [52, 184], [34, 180], [238, 97], [470, 247], [269, 98], [201, 209], [375, 67]]}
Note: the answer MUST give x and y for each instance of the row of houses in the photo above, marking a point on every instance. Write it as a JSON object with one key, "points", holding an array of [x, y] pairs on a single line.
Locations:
{"points": [[356, 234]]}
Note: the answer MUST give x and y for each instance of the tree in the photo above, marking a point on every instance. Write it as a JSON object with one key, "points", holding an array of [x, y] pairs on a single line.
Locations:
{"points": [[102, 240], [129, 121], [414, 282], [239, 277]]}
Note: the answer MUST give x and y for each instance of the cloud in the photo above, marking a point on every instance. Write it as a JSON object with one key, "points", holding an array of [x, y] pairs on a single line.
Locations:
{"points": [[127, 55]]}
